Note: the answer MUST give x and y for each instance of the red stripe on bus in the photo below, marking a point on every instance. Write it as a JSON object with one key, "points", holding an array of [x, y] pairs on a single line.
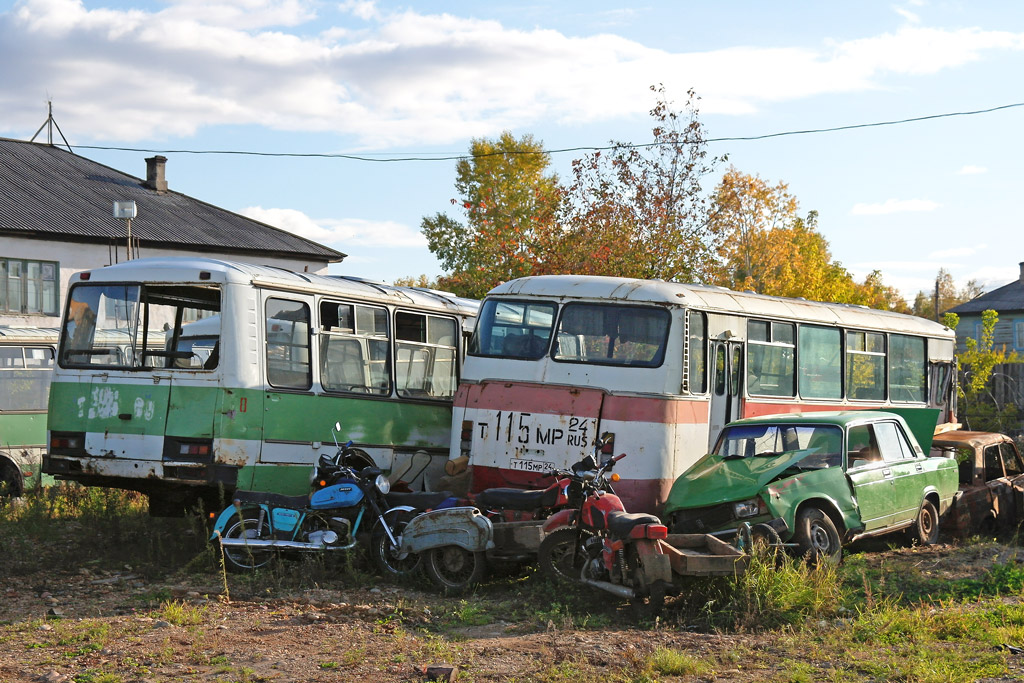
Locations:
{"points": [[751, 409], [635, 409], [555, 400]]}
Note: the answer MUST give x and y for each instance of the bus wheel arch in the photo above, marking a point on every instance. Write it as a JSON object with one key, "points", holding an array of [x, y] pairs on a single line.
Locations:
{"points": [[12, 483]]}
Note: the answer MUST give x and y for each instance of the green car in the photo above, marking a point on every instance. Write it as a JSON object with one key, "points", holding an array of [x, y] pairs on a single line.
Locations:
{"points": [[820, 480]]}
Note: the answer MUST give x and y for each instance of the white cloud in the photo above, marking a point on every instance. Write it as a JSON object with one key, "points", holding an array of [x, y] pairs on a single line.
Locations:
{"points": [[972, 170], [908, 15], [958, 252], [339, 233], [396, 78], [894, 206]]}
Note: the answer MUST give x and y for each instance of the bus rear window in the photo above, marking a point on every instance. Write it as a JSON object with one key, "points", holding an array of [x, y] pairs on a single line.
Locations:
{"points": [[612, 335], [513, 329], [134, 327]]}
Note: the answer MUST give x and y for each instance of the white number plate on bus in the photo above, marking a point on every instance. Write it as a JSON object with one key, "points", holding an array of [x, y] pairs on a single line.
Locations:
{"points": [[530, 465]]}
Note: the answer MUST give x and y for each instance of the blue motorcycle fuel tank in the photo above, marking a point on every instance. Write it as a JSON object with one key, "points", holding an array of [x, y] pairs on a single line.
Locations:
{"points": [[346, 493]]}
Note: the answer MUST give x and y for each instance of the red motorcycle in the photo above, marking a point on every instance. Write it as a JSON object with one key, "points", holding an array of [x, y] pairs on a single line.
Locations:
{"points": [[599, 544]]}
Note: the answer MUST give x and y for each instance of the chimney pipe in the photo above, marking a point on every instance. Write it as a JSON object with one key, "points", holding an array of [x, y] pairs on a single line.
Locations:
{"points": [[155, 179], [1022, 272]]}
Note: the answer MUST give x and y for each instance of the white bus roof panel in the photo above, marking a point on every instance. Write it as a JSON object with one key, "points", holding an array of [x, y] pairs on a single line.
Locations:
{"points": [[183, 269], [720, 299]]}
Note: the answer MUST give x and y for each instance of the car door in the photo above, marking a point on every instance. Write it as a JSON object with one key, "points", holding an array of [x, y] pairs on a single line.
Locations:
{"points": [[1002, 507], [870, 477], [1015, 477], [908, 473]]}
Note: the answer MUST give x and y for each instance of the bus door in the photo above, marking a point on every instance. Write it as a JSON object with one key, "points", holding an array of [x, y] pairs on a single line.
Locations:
{"points": [[726, 386]]}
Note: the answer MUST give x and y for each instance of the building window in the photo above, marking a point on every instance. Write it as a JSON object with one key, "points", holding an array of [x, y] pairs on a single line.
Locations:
{"points": [[1018, 335], [28, 286]]}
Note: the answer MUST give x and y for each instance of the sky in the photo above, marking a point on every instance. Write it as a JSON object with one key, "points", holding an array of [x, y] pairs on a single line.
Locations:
{"points": [[384, 80]]}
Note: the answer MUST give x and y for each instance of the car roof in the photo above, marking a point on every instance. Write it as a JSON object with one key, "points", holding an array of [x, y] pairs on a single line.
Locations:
{"points": [[840, 418], [962, 437]]}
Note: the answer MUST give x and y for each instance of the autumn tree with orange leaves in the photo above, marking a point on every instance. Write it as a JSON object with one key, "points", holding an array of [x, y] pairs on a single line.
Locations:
{"points": [[510, 201]]}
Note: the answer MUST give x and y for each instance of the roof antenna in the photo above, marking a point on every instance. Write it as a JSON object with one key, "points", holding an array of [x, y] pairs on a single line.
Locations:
{"points": [[49, 125]]}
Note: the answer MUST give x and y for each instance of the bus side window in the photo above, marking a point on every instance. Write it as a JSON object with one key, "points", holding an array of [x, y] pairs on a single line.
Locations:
{"points": [[425, 355], [288, 344], [354, 348]]}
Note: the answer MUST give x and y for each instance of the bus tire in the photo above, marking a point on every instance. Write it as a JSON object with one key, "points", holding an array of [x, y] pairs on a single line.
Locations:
{"points": [[453, 569], [11, 485], [816, 537], [925, 530]]}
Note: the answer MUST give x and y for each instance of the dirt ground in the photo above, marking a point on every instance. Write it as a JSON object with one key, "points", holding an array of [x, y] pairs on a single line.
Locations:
{"points": [[74, 625]]}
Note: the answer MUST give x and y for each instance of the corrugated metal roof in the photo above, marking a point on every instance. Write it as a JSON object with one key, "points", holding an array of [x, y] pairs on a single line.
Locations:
{"points": [[48, 191], [1005, 299]]}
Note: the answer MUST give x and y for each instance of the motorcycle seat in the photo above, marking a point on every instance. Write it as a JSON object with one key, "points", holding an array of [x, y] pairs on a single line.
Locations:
{"points": [[621, 523], [420, 500], [276, 500], [517, 499]]}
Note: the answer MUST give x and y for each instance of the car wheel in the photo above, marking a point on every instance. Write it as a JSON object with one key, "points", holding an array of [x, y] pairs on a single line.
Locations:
{"points": [[926, 529], [816, 537]]}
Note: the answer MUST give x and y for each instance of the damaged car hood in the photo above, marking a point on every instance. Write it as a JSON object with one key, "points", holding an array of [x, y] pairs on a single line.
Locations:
{"points": [[715, 479]]}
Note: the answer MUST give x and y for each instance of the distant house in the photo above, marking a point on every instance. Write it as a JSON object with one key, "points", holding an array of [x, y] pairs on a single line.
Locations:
{"points": [[56, 219], [1008, 302]]}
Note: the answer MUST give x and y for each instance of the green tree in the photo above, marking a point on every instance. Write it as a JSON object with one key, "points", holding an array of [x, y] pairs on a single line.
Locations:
{"points": [[975, 367], [638, 210], [510, 201], [421, 280]]}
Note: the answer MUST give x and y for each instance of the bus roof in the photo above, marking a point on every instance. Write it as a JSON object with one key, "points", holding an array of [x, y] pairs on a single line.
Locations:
{"points": [[716, 299], [184, 269], [37, 335]]}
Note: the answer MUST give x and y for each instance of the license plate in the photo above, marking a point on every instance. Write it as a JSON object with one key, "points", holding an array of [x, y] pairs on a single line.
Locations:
{"points": [[530, 465]]}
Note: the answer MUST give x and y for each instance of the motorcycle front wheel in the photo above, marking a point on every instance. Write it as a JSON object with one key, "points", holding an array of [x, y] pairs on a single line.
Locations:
{"points": [[561, 554], [453, 569], [244, 558], [385, 555]]}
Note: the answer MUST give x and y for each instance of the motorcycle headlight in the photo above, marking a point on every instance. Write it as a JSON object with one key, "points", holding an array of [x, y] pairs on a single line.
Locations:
{"points": [[747, 508], [382, 484]]}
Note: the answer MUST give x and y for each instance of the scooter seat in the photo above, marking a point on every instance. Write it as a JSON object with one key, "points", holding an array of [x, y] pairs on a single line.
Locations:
{"points": [[517, 499], [276, 500], [621, 523], [420, 500]]}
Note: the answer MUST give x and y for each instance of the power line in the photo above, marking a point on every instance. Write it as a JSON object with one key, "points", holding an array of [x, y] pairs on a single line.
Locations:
{"points": [[459, 157]]}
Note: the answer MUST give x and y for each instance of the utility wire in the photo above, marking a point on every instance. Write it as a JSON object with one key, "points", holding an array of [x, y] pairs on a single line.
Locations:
{"points": [[459, 157]]}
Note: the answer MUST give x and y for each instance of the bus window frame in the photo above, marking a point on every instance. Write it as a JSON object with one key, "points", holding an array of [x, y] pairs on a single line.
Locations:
{"points": [[660, 357], [46, 371], [388, 391], [308, 389], [427, 344], [884, 354], [793, 346], [474, 339], [688, 348]]}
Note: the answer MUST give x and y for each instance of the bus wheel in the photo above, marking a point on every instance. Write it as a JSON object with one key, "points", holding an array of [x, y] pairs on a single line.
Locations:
{"points": [[455, 570], [246, 559], [10, 481]]}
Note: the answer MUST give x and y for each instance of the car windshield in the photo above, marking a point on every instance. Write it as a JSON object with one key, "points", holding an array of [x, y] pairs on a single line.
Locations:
{"points": [[824, 443]]}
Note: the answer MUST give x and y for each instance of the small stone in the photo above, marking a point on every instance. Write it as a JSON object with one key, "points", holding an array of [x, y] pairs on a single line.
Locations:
{"points": [[45, 627], [441, 672], [54, 677], [161, 624], [192, 594], [54, 613], [375, 590]]}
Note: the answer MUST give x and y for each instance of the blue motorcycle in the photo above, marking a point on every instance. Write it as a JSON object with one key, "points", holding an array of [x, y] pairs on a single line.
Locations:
{"points": [[350, 496]]}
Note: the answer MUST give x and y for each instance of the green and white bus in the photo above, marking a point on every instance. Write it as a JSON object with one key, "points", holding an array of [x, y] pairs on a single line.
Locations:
{"points": [[233, 376], [26, 366]]}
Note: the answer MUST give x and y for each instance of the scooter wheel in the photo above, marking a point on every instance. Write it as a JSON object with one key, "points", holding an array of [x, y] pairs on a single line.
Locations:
{"points": [[385, 555], [453, 569], [561, 555]]}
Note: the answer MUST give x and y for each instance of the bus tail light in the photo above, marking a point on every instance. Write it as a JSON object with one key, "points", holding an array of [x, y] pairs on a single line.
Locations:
{"points": [[193, 450], [188, 450], [67, 443]]}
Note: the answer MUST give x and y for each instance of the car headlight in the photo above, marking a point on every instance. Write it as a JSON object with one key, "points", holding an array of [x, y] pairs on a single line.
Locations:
{"points": [[382, 484], [746, 508]]}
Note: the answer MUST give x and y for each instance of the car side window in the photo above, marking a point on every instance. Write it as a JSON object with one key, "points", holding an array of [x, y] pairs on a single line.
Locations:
{"points": [[993, 463], [891, 442], [1011, 459], [862, 447], [965, 464]]}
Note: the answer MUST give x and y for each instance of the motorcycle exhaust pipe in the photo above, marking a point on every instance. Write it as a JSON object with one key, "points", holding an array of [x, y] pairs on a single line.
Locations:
{"points": [[280, 545], [614, 588]]}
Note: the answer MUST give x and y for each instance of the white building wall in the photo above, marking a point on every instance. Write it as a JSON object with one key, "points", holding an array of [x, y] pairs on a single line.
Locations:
{"points": [[75, 257]]}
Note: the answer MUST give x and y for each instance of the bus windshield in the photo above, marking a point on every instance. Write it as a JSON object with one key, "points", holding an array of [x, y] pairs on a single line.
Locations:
{"points": [[612, 335], [133, 326], [513, 329]]}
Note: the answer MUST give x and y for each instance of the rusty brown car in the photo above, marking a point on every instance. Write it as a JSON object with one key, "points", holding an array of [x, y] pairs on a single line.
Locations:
{"points": [[991, 493]]}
